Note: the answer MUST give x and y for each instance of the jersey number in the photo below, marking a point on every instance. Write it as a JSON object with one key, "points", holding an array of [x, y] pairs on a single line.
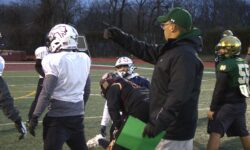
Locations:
{"points": [[244, 79]]}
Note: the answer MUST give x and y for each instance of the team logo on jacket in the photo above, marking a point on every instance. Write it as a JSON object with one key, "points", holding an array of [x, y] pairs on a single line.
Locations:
{"points": [[223, 67]]}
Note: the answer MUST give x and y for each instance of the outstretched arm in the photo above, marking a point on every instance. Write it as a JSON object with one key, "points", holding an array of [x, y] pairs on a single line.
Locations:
{"points": [[142, 50]]}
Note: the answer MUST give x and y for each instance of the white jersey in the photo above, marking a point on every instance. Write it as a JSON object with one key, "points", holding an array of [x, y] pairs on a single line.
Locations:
{"points": [[105, 115], [72, 70], [2, 65], [40, 53]]}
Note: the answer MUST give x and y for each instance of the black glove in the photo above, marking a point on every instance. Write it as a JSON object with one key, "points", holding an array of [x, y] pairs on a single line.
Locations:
{"points": [[20, 126], [151, 131], [107, 34], [112, 33], [103, 131], [32, 125]]}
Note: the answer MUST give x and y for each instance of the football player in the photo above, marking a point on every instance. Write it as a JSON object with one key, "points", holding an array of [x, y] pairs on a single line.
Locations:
{"points": [[124, 98], [40, 53], [125, 68], [7, 103], [66, 72], [228, 107]]}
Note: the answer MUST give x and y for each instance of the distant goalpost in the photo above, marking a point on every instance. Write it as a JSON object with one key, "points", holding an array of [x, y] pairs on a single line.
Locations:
{"points": [[83, 45]]}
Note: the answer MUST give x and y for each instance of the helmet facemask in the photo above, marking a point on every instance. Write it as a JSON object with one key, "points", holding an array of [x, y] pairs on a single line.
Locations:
{"points": [[228, 47], [125, 61]]}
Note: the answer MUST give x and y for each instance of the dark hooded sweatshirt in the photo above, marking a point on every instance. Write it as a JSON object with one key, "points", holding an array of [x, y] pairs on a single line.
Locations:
{"points": [[175, 83]]}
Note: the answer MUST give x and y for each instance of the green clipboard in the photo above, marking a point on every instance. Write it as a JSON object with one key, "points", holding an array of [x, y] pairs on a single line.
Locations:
{"points": [[131, 136]]}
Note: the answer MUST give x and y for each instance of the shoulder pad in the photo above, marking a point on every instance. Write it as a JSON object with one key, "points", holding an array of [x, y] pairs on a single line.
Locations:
{"points": [[41, 52]]}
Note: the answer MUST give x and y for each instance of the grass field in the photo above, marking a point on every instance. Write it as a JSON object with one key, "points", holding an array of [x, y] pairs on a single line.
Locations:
{"points": [[22, 85]]}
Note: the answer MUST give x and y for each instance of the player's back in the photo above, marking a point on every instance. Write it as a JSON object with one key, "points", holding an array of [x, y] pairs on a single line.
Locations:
{"points": [[237, 71], [136, 99], [72, 70], [234, 67]]}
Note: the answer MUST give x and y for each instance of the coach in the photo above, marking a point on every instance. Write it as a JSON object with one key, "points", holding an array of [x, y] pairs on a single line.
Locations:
{"points": [[176, 78]]}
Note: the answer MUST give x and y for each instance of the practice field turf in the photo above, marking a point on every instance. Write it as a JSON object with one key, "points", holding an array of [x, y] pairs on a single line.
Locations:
{"points": [[22, 85]]}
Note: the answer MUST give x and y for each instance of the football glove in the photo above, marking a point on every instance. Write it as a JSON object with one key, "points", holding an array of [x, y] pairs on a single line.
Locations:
{"points": [[107, 34], [92, 143], [111, 32], [21, 128], [32, 125]]}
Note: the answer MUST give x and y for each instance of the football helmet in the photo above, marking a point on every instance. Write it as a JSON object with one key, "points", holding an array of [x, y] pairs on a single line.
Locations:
{"points": [[227, 33], [231, 46], [125, 61], [62, 36], [106, 81]]}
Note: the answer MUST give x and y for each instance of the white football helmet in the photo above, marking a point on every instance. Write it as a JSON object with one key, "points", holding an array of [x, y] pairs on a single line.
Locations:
{"points": [[62, 36], [125, 61]]}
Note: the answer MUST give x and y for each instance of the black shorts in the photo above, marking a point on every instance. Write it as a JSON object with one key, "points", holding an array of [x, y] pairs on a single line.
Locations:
{"points": [[229, 119]]}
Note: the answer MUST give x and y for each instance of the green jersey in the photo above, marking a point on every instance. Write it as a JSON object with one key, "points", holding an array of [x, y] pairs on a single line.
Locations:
{"points": [[238, 72]]}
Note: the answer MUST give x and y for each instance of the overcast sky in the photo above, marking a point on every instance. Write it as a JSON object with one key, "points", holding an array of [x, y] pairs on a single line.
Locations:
{"points": [[8, 1]]}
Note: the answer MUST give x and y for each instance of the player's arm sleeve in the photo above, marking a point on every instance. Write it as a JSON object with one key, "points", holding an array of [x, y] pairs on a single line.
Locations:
{"points": [[49, 84], [114, 104], [221, 83], [87, 90], [184, 73], [105, 115], [142, 50], [7, 102], [38, 67]]}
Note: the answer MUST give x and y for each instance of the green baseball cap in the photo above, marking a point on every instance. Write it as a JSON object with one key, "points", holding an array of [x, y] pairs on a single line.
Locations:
{"points": [[179, 16]]}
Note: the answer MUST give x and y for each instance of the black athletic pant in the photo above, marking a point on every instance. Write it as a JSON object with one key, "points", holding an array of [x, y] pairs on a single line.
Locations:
{"points": [[58, 130], [38, 91]]}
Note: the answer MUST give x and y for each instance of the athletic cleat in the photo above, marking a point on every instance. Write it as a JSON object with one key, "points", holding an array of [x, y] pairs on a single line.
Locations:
{"points": [[92, 143]]}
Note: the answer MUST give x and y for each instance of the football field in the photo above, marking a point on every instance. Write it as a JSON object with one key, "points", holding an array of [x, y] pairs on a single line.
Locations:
{"points": [[22, 85]]}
